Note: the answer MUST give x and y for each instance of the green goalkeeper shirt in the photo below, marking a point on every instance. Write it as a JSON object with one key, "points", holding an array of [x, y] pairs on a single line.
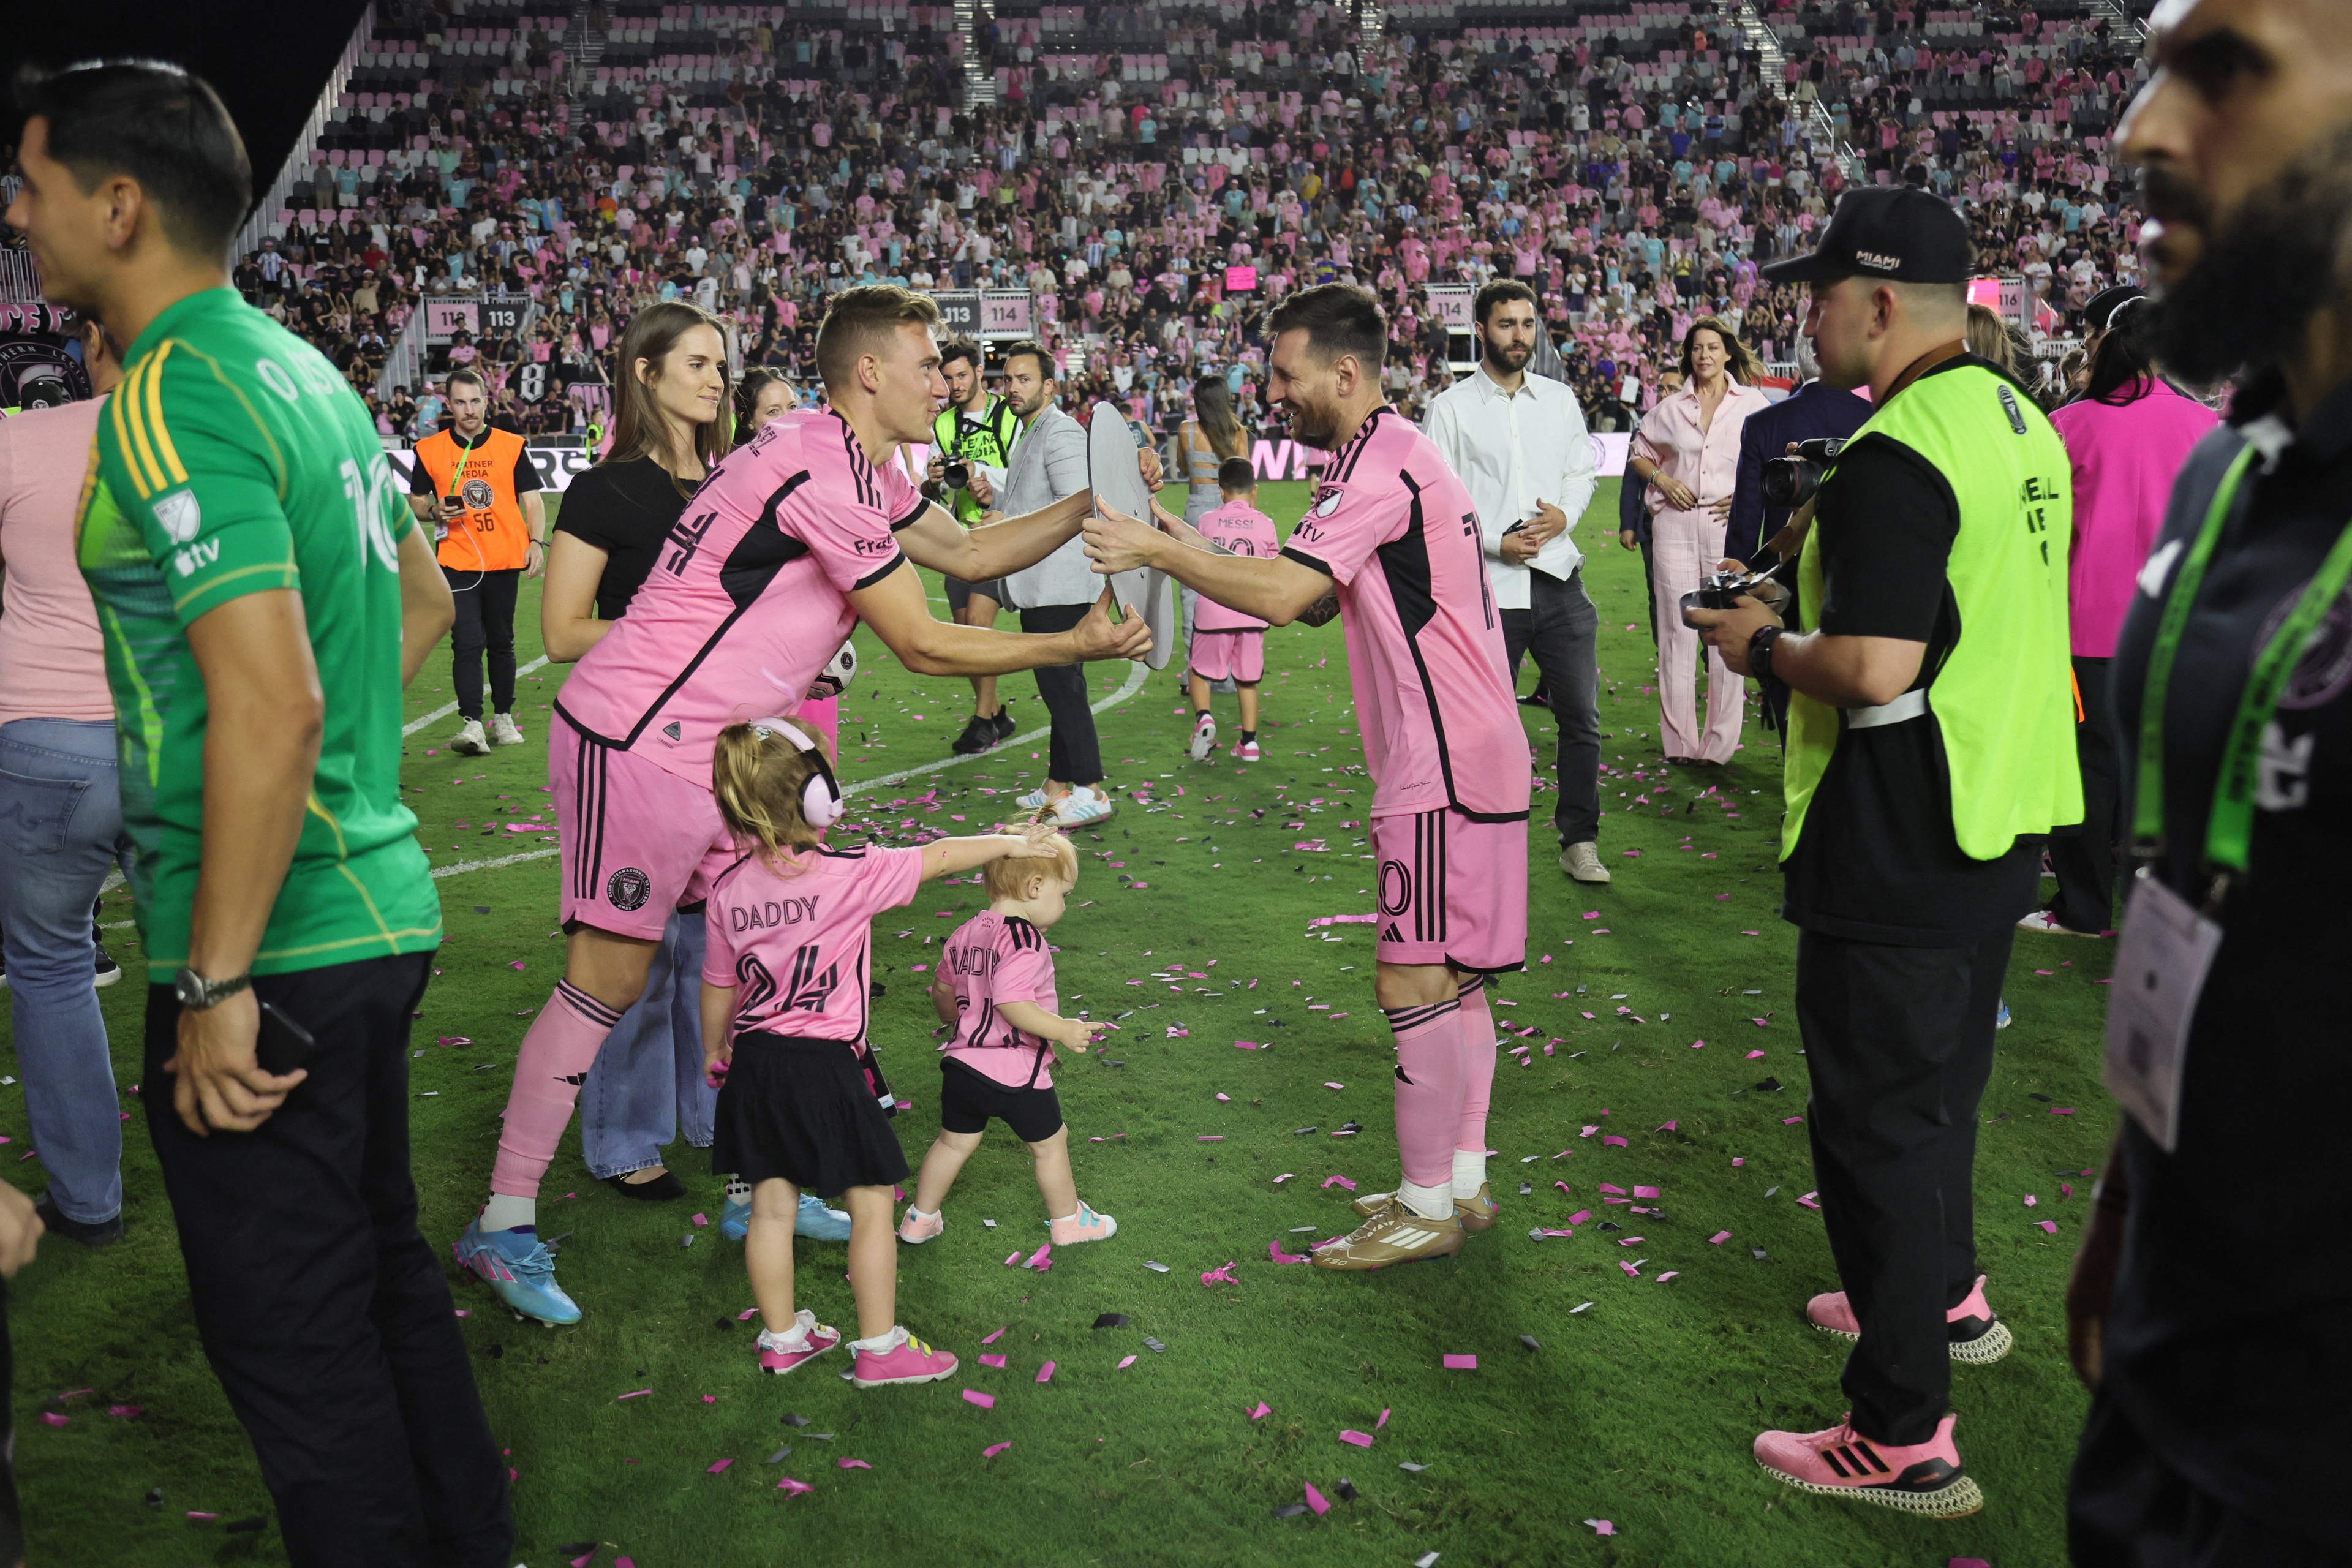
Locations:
{"points": [[234, 460]]}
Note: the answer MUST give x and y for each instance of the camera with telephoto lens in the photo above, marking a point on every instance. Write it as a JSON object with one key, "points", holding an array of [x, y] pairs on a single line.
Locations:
{"points": [[1724, 590], [1790, 483], [957, 475]]}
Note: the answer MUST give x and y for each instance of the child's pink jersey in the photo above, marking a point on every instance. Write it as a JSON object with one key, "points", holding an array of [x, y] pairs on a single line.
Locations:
{"points": [[798, 948], [1242, 529], [750, 597], [1393, 527], [994, 959]]}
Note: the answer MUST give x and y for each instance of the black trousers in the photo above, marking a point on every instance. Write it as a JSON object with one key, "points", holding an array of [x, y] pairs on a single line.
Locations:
{"points": [[2126, 1508], [485, 612], [2086, 862], [1899, 1044], [1075, 756], [324, 1313], [1560, 628]]}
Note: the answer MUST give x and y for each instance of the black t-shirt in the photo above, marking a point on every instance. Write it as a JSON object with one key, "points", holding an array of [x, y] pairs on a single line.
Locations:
{"points": [[624, 510], [1878, 859], [2227, 1343]]}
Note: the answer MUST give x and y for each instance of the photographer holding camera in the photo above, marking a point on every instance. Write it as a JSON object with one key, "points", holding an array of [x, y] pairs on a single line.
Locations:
{"points": [[973, 441], [1930, 749]]}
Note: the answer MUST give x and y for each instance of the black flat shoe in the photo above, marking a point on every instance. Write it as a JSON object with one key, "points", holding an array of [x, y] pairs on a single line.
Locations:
{"points": [[660, 1190], [103, 1233]]}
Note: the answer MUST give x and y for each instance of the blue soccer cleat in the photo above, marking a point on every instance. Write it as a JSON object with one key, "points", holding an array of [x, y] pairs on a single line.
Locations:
{"points": [[2001, 1020], [517, 1266], [735, 1218]]}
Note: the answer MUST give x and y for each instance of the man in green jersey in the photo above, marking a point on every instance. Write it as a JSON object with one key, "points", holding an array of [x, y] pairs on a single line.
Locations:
{"points": [[976, 430], [263, 596]]}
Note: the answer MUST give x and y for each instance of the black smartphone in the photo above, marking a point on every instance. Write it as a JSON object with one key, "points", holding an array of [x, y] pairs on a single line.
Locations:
{"points": [[1519, 527], [283, 1044]]}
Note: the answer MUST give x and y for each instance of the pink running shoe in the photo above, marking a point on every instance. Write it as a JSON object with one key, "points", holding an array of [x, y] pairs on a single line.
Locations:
{"points": [[778, 1353], [1925, 1479], [900, 1358], [1978, 1337], [1247, 752], [1084, 1225], [915, 1230]]}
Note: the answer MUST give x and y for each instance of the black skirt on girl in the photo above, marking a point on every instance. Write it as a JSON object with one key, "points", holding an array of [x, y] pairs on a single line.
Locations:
{"points": [[807, 1111]]}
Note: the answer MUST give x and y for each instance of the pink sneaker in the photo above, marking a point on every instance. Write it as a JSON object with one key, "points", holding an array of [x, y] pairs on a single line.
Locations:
{"points": [[1978, 1337], [1084, 1225], [1925, 1479], [900, 1358], [915, 1230], [1247, 752], [809, 1338]]}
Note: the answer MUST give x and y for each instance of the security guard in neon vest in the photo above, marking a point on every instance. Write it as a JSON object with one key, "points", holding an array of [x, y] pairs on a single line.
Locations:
{"points": [[478, 486], [1931, 748], [979, 431]]}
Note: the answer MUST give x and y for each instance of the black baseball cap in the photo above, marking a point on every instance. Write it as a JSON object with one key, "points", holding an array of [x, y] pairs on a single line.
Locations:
{"points": [[1899, 232], [2100, 313]]}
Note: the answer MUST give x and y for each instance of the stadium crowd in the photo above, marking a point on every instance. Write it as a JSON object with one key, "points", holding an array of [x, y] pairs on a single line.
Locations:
{"points": [[1635, 170]]}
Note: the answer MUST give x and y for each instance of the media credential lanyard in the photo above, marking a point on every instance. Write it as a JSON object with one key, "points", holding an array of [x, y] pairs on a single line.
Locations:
{"points": [[2167, 945]]}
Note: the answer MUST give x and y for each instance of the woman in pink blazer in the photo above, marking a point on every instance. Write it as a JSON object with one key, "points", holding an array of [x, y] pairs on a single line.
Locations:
{"points": [[1687, 453]]}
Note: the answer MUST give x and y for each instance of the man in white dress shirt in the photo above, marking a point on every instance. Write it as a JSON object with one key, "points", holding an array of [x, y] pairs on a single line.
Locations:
{"points": [[1519, 444]]}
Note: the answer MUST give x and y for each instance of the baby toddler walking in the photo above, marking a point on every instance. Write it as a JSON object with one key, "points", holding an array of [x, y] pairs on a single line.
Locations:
{"points": [[995, 983], [801, 1101]]}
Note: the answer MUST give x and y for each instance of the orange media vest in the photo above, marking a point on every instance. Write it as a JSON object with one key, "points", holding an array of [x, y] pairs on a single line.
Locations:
{"points": [[490, 534]]}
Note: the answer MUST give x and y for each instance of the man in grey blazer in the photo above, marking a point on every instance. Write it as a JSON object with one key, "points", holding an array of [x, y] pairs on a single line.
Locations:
{"points": [[1049, 461]]}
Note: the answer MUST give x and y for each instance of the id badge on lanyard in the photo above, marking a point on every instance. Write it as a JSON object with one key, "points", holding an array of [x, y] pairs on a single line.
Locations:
{"points": [[2161, 960], [2168, 944]]}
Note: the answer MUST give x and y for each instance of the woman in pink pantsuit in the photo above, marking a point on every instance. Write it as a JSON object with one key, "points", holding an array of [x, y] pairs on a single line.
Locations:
{"points": [[1687, 452]]}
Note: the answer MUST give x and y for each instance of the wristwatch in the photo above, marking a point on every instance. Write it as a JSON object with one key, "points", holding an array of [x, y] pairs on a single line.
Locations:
{"points": [[1759, 651], [198, 994]]}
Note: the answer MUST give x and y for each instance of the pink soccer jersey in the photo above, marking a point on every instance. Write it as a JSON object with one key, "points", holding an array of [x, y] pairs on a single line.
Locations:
{"points": [[1392, 526], [749, 597], [994, 959], [1242, 529], [797, 948]]}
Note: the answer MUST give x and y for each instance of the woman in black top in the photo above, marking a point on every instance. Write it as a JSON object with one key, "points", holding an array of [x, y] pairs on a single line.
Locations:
{"points": [[608, 535]]}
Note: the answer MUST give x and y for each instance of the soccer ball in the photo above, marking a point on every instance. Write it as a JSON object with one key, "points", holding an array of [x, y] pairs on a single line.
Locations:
{"points": [[834, 677]]}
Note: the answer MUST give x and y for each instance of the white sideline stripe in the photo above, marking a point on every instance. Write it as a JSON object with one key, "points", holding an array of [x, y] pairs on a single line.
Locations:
{"points": [[448, 708], [1135, 676]]}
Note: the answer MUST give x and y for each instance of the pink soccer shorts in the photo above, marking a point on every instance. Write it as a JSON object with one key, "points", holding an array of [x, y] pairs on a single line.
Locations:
{"points": [[1237, 656], [638, 840], [1453, 891]]}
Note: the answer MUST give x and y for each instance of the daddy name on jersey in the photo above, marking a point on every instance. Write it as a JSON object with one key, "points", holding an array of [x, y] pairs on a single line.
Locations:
{"points": [[749, 595], [990, 960], [797, 947], [1393, 527]]}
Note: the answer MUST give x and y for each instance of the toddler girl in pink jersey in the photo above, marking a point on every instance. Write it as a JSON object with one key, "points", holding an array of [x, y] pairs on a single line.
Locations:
{"points": [[1227, 643], [995, 983], [786, 980]]}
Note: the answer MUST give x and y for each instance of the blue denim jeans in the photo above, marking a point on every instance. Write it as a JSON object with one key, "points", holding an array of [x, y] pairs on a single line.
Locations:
{"points": [[60, 832], [646, 1085]]}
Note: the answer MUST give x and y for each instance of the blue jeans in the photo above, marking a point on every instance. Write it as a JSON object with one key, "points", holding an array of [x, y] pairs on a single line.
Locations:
{"points": [[60, 831], [647, 1084]]}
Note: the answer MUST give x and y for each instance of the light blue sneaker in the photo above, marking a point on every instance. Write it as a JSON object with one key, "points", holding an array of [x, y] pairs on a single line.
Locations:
{"points": [[814, 1221], [1033, 800], [2001, 1020], [819, 1223], [517, 1266]]}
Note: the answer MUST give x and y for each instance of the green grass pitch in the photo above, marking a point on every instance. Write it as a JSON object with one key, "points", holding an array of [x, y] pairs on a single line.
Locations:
{"points": [[1638, 1409]]}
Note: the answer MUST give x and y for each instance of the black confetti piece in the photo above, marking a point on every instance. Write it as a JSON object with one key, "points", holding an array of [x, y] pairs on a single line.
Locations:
{"points": [[1529, 1341], [1111, 1321], [154, 1497], [1154, 1345], [1290, 1510], [244, 1526], [778, 1457], [722, 1324], [1760, 1253], [792, 1420], [576, 1548], [1347, 1493], [481, 909], [686, 1241], [1302, 1131]]}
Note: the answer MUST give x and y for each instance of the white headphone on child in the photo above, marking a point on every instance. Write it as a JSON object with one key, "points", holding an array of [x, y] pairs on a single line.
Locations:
{"points": [[820, 802]]}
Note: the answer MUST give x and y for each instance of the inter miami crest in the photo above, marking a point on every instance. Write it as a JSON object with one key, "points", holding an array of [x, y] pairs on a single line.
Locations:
{"points": [[628, 888]]}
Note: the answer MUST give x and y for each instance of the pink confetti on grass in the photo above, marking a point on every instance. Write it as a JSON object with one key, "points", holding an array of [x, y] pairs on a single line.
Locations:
{"points": [[640, 1394], [986, 1401], [2049, 1225], [1718, 1239], [1611, 1138], [996, 1336], [1274, 1250], [1381, 1422], [853, 1463], [1335, 1086], [1041, 1259], [1461, 1364], [125, 1412], [2062, 1111], [699, 1219], [2030, 1201], [51, 1418], [716, 1469], [1601, 1527], [1220, 1275], [1642, 1192], [1210, 1138], [1045, 1373], [1339, 1182], [791, 1487], [1315, 1501], [1580, 1216], [994, 1449], [1791, 1121], [1751, 1056], [1810, 1200], [1669, 1273], [1123, 1365], [1361, 1439]]}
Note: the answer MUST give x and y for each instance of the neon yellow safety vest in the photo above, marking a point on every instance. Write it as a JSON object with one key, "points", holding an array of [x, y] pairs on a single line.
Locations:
{"points": [[2003, 698], [988, 440]]}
